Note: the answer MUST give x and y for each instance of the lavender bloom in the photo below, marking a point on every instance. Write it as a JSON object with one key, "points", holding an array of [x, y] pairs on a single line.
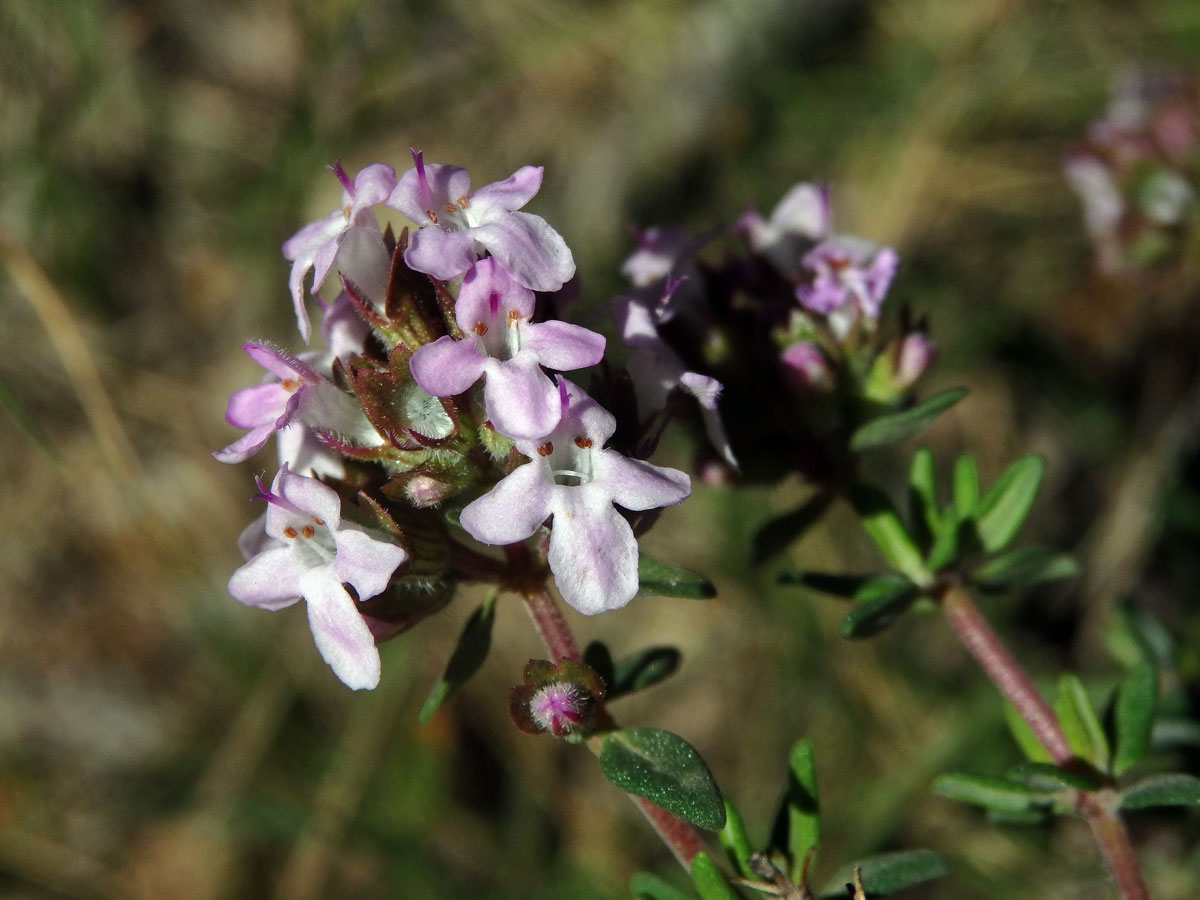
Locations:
{"points": [[850, 278], [656, 371], [458, 226], [801, 218], [494, 310], [316, 245], [301, 397], [593, 552], [301, 548]]}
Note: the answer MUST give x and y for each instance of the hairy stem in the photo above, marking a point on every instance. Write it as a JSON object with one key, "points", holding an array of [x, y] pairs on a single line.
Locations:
{"points": [[1012, 681], [551, 626]]}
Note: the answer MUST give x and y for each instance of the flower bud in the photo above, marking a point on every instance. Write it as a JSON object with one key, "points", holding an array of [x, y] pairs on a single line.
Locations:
{"points": [[914, 358], [806, 369], [559, 708]]}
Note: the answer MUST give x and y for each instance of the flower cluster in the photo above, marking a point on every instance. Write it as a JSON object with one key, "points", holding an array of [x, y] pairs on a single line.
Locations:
{"points": [[1136, 172], [435, 419]]}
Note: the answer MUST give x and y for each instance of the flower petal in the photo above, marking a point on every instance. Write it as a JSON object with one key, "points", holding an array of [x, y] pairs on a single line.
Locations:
{"points": [[514, 509], [342, 637], [307, 495], [533, 252], [520, 399], [247, 445], [561, 345], [253, 406], [442, 254], [487, 278], [593, 553], [278, 362], [447, 366], [446, 185], [373, 185], [364, 561], [270, 580], [638, 485], [504, 196]]}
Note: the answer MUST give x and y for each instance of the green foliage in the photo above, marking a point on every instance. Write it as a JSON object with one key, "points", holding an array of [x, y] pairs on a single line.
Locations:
{"points": [[1133, 716], [1024, 736], [645, 886], [709, 880], [655, 578], [735, 840], [893, 428], [469, 654], [827, 582], [877, 604], [1000, 512], [922, 496], [887, 873], [883, 525], [642, 669], [966, 484], [993, 792], [1047, 777], [1080, 723], [1162, 790], [798, 826], [666, 770], [1023, 568]]}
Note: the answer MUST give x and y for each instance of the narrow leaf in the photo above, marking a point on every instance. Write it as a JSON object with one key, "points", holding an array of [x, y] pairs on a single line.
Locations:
{"points": [[946, 541], [966, 484], [923, 510], [655, 578], [645, 886], [887, 873], [1163, 790], [777, 534], [468, 656], [1047, 777], [1024, 736], [666, 770], [878, 604], [827, 582], [991, 792], [642, 669], [1080, 723], [798, 827], [1023, 568], [736, 841], [883, 526], [598, 658], [1002, 510], [1133, 716], [709, 880], [892, 428]]}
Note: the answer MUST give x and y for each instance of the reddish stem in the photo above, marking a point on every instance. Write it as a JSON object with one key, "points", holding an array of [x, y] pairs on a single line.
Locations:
{"points": [[1110, 834], [551, 626]]}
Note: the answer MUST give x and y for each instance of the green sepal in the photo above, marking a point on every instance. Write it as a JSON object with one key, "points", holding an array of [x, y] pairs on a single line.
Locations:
{"points": [[777, 534], [1162, 790], [797, 827], [666, 770], [992, 792], [1024, 736], [887, 873], [642, 669], [736, 842], [655, 578], [966, 485], [645, 886], [827, 582], [1133, 716], [893, 428], [882, 524], [923, 512], [1023, 568], [1001, 512], [1049, 777], [877, 604], [472, 649], [709, 880], [1080, 723]]}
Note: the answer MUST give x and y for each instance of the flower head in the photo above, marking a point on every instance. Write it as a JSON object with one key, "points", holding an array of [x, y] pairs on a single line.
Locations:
{"points": [[457, 226], [801, 218], [570, 476], [302, 548], [502, 344], [850, 277]]}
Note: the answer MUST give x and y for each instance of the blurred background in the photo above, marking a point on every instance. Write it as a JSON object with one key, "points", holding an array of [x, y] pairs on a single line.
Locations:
{"points": [[157, 739]]}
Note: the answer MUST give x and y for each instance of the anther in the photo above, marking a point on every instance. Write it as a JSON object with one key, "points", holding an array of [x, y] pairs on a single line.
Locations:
{"points": [[583, 442], [346, 211], [432, 216], [290, 385], [513, 315], [450, 207], [481, 328], [546, 449], [290, 532], [308, 531], [317, 520], [462, 201]]}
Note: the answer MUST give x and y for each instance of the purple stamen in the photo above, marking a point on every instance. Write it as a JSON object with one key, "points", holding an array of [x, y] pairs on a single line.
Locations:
{"points": [[264, 493], [493, 303], [426, 193], [341, 176], [563, 400]]}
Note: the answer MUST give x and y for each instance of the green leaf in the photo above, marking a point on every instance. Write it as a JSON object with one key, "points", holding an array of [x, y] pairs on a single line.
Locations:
{"points": [[923, 510], [991, 792], [798, 825], [883, 526], [666, 581], [946, 541], [887, 873], [1024, 736], [709, 880], [1002, 510], [666, 770], [878, 604], [1133, 715], [777, 534], [468, 656], [1080, 723], [1047, 777], [642, 669], [827, 582], [645, 886], [1163, 790], [598, 658], [1023, 568], [892, 428], [966, 485], [736, 841]]}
